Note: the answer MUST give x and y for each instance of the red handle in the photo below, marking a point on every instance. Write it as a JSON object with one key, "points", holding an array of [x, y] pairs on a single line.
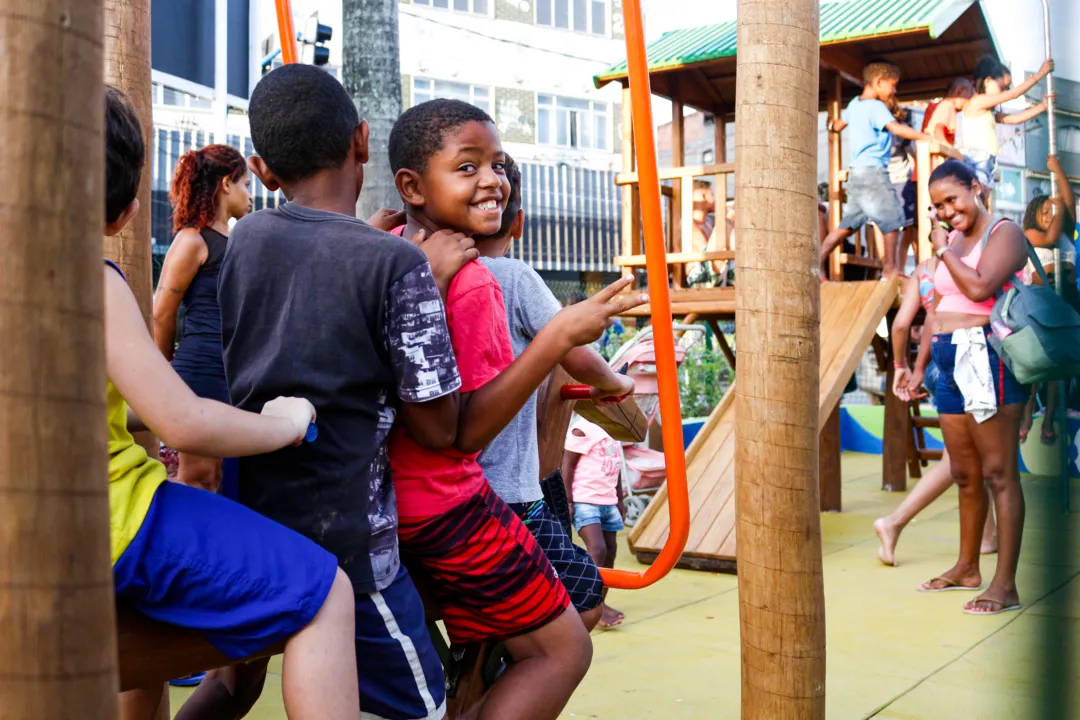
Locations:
{"points": [[286, 31], [575, 392]]}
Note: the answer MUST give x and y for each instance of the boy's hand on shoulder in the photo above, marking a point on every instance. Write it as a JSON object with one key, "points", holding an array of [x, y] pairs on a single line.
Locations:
{"points": [[586, 321], [386, 219], [447, 252], [298, 411], [620, 388]]}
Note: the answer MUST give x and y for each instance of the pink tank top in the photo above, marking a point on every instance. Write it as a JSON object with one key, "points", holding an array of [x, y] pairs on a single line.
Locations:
{"points": [[952, 300]]}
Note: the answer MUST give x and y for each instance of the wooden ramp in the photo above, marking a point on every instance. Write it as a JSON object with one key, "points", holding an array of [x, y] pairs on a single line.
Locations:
{"points": [[850, 315]]}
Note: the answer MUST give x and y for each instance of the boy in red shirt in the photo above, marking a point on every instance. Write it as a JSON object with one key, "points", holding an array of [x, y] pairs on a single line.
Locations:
{"points": [[490, 578]]}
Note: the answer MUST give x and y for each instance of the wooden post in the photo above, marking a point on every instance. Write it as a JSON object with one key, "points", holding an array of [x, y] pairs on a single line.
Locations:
{"points": [[781, 595], [57, 620], [835, 163], [922, 201], [720, 181], [898, 420], [127, 67], [829, 475], [631, 203], [679, 189]]}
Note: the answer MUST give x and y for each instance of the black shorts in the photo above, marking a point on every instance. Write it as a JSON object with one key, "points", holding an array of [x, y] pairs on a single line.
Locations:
{"points": [[574, 566]]}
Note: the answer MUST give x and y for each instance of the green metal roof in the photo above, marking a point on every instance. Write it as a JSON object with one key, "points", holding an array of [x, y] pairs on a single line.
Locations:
{"points": [[841, 20]]}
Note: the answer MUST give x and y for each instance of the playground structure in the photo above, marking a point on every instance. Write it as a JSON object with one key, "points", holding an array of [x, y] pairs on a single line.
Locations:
{"points": [[932, 43]]}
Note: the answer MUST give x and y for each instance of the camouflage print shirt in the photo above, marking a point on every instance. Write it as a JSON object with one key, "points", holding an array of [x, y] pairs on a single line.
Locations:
{"points": [[320, 305]]}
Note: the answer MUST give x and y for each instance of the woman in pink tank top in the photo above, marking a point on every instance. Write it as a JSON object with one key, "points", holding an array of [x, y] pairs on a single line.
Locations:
{"points": [[979, 401]]}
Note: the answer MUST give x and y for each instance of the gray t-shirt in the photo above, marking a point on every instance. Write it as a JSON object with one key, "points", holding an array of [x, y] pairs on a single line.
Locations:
{"points": [[511, 461]]}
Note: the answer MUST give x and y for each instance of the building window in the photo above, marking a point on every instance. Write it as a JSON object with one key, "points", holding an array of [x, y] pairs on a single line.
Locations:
{"points": [[584, 16], [178, 99], [424, 89], [477, 7], [573, 123]]}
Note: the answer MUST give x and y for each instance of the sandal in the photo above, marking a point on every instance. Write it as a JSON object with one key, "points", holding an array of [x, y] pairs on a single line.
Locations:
{"points": [[1001, 607], [950, 585]]}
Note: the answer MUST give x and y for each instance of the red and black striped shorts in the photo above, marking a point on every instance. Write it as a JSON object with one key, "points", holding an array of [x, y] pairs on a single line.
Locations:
{"points": [[488, 575]]}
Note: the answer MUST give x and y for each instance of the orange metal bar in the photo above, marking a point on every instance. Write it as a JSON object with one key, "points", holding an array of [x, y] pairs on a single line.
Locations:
{"points": [[660, 302], [286, 31]]}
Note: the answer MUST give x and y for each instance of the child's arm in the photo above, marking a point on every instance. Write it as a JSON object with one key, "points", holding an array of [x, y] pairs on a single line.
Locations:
{"points": [[487, 410], [170, 409], [1019, 118], [588, 366], [1065, 191], [569, 465], [836, 126], [985, 102], [901, 329], [186, 255], [901, 130]]}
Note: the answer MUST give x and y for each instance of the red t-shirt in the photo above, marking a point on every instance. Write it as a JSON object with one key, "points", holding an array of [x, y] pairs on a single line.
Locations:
{"points": [[931, 119], [429, 483]]}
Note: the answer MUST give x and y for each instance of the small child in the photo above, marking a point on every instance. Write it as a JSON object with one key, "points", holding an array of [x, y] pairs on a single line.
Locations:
{"points": [[315, 301], [188, 557], [491, 579], [511, 461], [591, 471], [871, 197]]}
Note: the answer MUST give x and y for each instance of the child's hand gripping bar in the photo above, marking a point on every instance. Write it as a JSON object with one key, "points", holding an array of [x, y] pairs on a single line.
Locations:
{"points": [[660, 302]]}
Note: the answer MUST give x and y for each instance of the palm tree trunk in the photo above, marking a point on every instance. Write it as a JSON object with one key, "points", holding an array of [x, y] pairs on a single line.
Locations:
{"points": [[781, 596], [57, 623], [371, 73]]}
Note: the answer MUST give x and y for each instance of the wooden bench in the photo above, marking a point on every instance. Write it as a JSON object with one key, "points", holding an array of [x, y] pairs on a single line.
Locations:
{"points": [[152, 653]]}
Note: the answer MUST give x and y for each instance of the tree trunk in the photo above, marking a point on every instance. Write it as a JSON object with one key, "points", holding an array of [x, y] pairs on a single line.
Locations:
{"points": [[127, 66], [57, 624], [781, 596], [371, 73]]}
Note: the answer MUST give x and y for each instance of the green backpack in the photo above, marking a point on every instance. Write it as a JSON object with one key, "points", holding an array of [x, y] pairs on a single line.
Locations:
{"points": [[1036, 333]]}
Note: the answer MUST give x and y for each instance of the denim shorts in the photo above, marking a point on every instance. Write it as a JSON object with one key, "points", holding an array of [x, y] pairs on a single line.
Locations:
{"points": [[950, 401], [871, 198], [606, 515], [985, 166]]}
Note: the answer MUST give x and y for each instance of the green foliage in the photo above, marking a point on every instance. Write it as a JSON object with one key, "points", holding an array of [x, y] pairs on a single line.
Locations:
{"points": [[704, 376]]}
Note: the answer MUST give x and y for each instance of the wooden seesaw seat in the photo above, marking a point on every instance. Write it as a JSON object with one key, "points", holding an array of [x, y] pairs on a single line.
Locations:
{"points": [[152, 653]]}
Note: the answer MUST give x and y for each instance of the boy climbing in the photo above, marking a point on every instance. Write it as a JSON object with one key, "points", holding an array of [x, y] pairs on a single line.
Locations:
{"points": [[511, 462], [491, 579], [188, 557], [319, 302], [871, 197]]}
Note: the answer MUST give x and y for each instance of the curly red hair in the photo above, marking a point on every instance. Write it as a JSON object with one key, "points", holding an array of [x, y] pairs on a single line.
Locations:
{"points": [[195, 184]]}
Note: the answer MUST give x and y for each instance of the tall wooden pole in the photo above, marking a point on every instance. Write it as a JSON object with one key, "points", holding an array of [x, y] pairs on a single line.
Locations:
{"points": [[127, 66], [781, 596], [57, 630]]}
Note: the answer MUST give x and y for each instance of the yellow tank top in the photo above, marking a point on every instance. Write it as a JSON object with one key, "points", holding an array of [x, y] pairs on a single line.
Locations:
{"points": [[133, 477], [980, 132]]}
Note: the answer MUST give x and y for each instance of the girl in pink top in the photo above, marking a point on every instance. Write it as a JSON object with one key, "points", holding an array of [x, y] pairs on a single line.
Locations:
{"points": [[980, 432], [591, 468]]}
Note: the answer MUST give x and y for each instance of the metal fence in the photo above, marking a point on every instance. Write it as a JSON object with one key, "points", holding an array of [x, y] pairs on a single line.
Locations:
{"points": [[571, 214]]}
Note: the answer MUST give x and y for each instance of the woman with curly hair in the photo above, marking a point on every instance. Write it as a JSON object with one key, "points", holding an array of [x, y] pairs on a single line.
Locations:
{"points": [[210, 188]]}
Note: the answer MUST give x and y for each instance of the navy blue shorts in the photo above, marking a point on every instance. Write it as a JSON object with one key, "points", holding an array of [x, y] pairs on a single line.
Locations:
{"points": [[205, 563], [401, 675], [573, 565], [930, 381], [950, 401]]}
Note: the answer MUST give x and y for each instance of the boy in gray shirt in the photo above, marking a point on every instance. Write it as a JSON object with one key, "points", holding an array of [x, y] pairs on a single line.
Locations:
{"points": [[511, 462]]}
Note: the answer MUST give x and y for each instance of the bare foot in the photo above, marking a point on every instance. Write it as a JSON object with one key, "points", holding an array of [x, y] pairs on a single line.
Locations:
{"points": [[888, 534], [620, 613], [891, 273], [993, 602], [609, 618]]}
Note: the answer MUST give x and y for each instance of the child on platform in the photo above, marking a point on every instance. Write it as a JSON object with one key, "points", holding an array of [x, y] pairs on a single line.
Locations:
{"points": [[591, 471], [511, 461], [188, 557], [317, 302], [489, 576], [871, 197]]}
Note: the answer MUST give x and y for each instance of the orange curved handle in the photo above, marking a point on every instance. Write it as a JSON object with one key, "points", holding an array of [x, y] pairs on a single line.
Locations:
{"points": [[660, 302], [286, 31]]}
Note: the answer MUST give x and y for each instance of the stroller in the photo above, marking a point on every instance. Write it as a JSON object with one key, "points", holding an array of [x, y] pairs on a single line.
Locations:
{"points": [[643, 469]]}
